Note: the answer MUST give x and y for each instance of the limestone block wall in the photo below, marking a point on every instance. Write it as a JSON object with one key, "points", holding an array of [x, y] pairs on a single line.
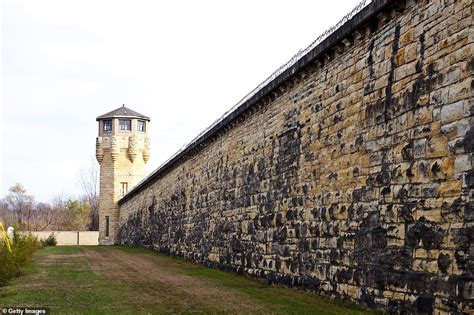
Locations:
{"points": [[352, 178]]}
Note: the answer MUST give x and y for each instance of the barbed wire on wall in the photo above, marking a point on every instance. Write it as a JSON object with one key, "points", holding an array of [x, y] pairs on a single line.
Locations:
{"points": [[302, 52], [296, 57]]}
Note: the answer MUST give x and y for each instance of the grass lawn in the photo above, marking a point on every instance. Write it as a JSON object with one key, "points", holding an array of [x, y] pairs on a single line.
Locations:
{"points": [[105, 280]]}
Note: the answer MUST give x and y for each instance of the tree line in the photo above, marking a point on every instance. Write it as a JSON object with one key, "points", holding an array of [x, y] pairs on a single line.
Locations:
{"points": [[20, 210]]}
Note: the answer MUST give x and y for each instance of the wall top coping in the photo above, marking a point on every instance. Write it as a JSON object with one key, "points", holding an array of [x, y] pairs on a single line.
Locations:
{"points": [[335, 37]]}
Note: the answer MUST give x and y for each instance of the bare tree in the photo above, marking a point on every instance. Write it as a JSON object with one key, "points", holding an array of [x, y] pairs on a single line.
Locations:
{"points": [[89, 182], [61, 216], [6, 215], [21, 205], [45, 216]]}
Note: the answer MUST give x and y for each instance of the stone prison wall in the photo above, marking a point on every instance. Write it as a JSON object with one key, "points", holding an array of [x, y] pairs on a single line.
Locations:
{"points": [[349, 175]]}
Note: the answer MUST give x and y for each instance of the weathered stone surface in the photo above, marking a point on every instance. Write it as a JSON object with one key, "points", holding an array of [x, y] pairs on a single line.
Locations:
{"points": [[353, 180]]}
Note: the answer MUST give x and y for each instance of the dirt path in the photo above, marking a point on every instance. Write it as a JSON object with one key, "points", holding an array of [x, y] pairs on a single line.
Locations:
{"points": [[157, 280], [118, 280]]}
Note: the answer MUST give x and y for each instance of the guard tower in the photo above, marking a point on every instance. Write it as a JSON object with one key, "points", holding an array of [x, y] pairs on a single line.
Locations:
{"points": [[122, 150]]}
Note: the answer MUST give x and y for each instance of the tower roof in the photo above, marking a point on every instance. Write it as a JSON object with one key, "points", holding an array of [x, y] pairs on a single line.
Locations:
{"points": [[123, 112]]}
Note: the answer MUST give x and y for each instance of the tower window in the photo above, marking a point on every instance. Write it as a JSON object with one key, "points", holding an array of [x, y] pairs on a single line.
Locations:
{"points": [[125, 124], [123, 189], [141, 126], [107, 125], [106, 226]]}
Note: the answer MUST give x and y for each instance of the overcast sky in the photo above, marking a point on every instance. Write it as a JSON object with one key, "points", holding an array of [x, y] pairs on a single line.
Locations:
{"points": [[182, 63]]}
